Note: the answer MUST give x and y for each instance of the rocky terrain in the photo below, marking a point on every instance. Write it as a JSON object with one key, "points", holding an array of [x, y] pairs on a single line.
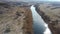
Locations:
{"points": [[51, 15], [15, 19]]}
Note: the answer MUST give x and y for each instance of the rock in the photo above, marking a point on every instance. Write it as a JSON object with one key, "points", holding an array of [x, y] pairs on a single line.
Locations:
{"points": [[51, 15], [15, 19]]}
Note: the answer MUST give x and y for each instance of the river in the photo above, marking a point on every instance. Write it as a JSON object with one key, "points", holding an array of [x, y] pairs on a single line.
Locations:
{"points": [[39, 26]]}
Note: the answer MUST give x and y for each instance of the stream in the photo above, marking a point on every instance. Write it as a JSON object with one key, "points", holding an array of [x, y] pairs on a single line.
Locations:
{"points": [[39, 26]]}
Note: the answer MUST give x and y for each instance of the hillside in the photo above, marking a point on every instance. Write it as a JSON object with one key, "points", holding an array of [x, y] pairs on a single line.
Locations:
{"points": [[51, 15], [15, 19]]}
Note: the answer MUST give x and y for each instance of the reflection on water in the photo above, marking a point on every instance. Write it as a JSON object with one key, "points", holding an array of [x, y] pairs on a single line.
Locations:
{"points": [[39, 26]]}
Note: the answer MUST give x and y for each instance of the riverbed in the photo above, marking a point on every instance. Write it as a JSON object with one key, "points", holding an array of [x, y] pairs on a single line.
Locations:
{"points": [[39, 26]]}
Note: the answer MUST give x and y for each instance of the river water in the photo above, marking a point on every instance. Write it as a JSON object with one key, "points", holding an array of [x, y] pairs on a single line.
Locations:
{"points": [[39, 26]]}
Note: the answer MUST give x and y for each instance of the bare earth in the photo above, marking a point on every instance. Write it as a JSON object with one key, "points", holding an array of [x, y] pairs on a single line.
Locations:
{"points": [[51, 15], [15, 19]]}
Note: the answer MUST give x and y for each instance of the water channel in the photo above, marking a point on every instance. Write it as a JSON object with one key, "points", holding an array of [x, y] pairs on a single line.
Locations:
{"points": [[39, 26]]}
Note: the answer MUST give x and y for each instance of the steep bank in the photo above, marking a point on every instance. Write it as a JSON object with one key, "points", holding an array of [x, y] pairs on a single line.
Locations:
{"points": [[51, 15], [15, 19]]}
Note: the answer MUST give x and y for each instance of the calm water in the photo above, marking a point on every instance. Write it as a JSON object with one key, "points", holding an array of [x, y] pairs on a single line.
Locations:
{"points": [[39, 25]]}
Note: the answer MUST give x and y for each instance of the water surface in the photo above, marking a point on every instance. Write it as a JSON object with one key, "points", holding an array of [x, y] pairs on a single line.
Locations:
{"points": [[39, 26]]}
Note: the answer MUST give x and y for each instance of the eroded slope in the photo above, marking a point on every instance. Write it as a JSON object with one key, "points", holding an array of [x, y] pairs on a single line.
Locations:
{"points": [[51, 15], [15, 19]]}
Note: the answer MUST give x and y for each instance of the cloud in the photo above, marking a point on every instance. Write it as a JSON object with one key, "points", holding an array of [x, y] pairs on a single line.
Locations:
{"points": [[29, 0], [19, 0]]}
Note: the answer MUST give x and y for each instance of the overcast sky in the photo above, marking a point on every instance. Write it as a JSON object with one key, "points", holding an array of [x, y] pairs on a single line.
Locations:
{"points": [[32, 0]]}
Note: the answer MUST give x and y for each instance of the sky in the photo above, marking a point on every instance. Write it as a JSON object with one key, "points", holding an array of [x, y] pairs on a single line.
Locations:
{"points": [[37, 0], [30, 0]]}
